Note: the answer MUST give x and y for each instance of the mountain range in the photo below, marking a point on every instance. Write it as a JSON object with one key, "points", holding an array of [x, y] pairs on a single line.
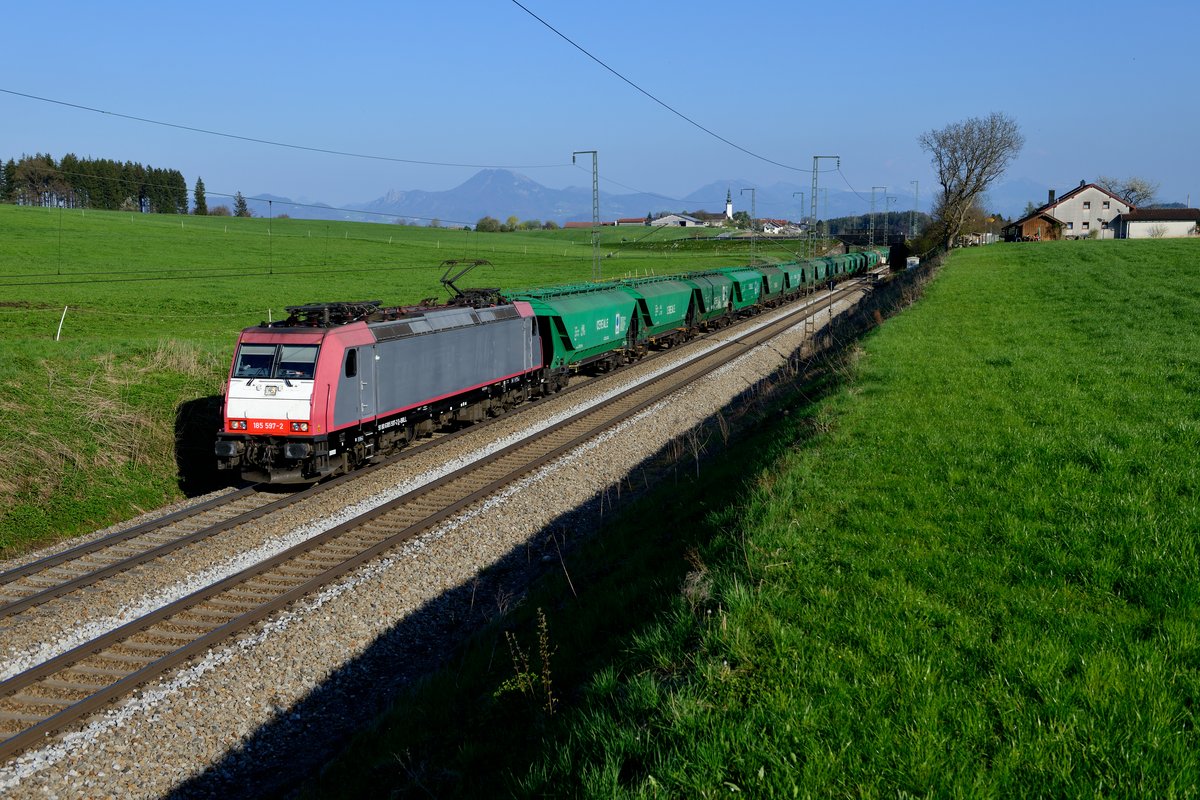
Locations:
{"points": [[501, 193]]}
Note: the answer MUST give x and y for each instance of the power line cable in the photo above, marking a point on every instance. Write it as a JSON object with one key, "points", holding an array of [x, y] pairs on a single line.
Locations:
{"points": [[674, 111], [274, 143], [851, 188]]}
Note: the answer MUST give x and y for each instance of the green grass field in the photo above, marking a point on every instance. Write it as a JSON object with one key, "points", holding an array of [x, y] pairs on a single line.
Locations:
{"points": [[970, 571], [109, 420]]}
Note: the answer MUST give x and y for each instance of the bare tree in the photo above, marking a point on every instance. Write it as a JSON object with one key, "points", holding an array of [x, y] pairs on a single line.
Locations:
{"points": [[1133, 190], [968, 156]]}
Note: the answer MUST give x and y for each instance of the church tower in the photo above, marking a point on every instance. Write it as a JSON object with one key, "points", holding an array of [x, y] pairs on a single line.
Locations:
{"points": [[728, 204]]}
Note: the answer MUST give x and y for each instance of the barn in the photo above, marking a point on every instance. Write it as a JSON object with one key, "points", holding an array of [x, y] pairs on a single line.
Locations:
{"points": [[1158, 223]]}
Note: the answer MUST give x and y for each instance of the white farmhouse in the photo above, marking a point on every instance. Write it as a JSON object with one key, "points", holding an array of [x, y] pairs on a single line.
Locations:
{"points": [[1086, 211]]}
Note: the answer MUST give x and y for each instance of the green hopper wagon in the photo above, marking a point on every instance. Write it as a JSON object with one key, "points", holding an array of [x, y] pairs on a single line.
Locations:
{"points": [[747, 287], [665, 306], [580, 324]]}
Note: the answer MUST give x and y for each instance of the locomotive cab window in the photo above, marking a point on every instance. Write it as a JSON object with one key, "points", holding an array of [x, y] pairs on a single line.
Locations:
{"points": [[276, 361], [254, 361], [351, 363], [297, 361]]}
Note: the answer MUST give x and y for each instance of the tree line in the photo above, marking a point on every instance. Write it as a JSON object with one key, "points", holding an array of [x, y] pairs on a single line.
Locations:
{"points": [[106, 185], [493, 225], [96, 183]]}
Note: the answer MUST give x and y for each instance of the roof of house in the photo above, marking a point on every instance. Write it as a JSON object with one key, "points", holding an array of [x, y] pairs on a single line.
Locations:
{"points": [[1162, 215], [1044, 214], [640, 220], [1068, 196]]}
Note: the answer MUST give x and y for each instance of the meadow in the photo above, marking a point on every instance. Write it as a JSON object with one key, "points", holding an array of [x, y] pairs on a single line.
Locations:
{"points": [[115, 415], [968, 567]]}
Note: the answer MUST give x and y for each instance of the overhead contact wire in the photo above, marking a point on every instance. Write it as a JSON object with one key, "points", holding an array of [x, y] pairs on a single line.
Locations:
{"points": [[674, 111]]}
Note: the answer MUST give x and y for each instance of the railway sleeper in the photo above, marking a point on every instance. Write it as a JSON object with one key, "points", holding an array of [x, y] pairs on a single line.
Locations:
{"points": [[76, 687], [24, 719], [166, 630], [202, 613], [251, 595], [37, 700], [121, 658], [91, 669], [149, 647], [238, 607]]}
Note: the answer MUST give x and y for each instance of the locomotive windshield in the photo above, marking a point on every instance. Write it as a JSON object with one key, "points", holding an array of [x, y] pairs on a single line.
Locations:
{"points": [[276, 361]]}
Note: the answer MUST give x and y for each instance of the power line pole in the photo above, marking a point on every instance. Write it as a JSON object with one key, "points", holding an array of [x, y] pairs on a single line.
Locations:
{"points": [[595, 210], [753, 213], [872, 220], [888, 201], [812, 234], [912, 219], [801, 211]]}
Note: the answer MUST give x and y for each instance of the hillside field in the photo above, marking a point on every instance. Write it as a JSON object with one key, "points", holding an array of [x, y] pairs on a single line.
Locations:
{"points": [[970, 570], [116, 416]]}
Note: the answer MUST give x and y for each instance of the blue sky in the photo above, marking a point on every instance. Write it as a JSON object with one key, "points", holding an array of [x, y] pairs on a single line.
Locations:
{"points": [[1099, 88]]}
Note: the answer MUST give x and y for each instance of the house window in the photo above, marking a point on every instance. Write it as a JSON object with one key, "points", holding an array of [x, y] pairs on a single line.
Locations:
{"points": [[1106, 204], [1070, 226], [1104, 225], [1087, 204], [1085, 225]]}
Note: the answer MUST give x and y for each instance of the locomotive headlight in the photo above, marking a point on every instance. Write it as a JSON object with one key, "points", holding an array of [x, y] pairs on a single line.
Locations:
{"points": [[237, 424], [300, 427]]}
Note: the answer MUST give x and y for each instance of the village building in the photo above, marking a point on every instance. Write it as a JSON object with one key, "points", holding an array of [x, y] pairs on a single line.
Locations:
{"points": [[774, 227], [676, 220], [1157, 223], [1087, 211], [710, 219], [1037, 227]]}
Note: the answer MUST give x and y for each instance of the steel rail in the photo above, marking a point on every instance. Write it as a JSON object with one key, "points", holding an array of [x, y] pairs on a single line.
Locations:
{"points": [[93, 576], [641, 397]]}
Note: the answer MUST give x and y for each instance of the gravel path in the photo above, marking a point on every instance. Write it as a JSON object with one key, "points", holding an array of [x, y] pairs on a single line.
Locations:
{"points": [[328, 664]]}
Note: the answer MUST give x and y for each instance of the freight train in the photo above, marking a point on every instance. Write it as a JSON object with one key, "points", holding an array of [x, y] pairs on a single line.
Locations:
{"points": [[335, 385]]}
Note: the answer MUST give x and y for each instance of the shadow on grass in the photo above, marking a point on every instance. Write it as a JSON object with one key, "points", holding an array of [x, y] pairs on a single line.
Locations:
{"points": [[196, 424], [453, 729]]}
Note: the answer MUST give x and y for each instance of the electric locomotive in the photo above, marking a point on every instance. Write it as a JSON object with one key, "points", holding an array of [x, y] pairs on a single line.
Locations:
{"points": [[337, 384]]}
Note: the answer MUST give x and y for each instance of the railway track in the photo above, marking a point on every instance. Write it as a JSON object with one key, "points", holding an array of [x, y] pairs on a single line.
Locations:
{"points": [[64, 573], [61, 691], [60, 574]]}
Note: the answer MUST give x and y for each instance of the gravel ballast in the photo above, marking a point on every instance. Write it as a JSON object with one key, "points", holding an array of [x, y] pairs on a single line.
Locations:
{"points": [[327, 664]]}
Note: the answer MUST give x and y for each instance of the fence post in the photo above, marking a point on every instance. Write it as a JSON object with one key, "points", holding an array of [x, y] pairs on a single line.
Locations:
{"points": [[58, 333]]}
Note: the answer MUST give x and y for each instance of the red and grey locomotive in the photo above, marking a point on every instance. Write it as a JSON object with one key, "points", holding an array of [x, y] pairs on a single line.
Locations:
{"points": [[337, 384]]}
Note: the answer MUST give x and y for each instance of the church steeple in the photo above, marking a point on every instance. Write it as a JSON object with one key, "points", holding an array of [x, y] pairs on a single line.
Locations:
{"points": [[728, 204]]}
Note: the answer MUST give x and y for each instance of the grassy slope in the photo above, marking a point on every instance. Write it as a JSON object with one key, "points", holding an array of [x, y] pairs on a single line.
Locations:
{"points": [[979, 578], [90, 422]]}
